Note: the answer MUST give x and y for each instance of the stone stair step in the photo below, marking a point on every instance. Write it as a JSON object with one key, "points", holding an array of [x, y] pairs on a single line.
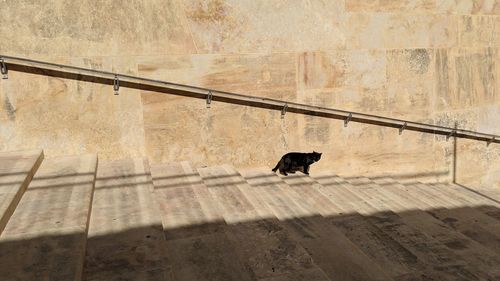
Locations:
{"points": [[464, 195], [16, 171], [187, 207], [330, 249], [481, 195], [262, 242], [198, 246], [308, 190], [125, 237], [395, 258], [420, 215], [465, 218], [430, 252], [45, 238], [226, 188]]}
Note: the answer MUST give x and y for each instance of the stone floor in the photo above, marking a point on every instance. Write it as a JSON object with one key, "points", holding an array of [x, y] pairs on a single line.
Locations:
{"points": [[73, 218]]}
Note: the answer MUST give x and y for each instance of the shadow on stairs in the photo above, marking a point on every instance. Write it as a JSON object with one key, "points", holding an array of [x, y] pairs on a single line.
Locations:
{"points": [[124, 220]]}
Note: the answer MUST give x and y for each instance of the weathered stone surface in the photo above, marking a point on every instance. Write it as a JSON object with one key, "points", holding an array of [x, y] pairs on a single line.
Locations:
{"points": [[208, 133], [479, 31], [207, 257], [469, 7], [254, 74], [45, 238], [234, 26], [419, 6], [198, 246], [125, 237], [392, 30], [471, 79], [410, 75], [187, 207], [16, 171], [412, 59], [94, 28], [320, 70], [66, 117]]}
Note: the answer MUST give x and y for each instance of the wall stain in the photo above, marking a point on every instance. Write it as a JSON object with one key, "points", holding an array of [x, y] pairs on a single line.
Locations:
{"points": [[442, 78], [11, 112], [419, 60], [213, 11]]}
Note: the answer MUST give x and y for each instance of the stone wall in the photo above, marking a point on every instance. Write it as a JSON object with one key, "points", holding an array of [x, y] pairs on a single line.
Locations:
{"points": [[435, 61]]}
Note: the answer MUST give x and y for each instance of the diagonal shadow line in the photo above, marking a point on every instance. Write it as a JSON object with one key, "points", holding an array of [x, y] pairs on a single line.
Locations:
{"points": [[225, 184], [38, 177], [46, 177], [123, 176], [261, 176], [88, 174], [34, 182], [363, 181], [334, 184], [220, 176], [197, 183], [15, 173], [106, 186], [182, 184], [104, 178], [277, 184], [409, 175], [478, 193], [181, 175], [397, 176], [138, 175], [11, 183], [64, 185]]}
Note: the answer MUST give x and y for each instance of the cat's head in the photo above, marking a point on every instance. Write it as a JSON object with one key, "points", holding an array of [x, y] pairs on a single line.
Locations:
{"points": [[316, 156]]}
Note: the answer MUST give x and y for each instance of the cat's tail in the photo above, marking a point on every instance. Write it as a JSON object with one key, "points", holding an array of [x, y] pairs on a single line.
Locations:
{"points": [[277, 166]]}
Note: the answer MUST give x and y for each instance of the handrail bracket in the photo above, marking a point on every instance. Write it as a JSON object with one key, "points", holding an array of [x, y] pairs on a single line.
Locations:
{"points": [[9, 64], [402, 128], [116, 85], [283, 111], [490, 141], [453, 132], [209, 99], [3, 69], [348, 119]]}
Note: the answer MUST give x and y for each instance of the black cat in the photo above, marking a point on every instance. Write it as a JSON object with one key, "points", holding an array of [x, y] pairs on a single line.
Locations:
{"points": [[297, 161]]}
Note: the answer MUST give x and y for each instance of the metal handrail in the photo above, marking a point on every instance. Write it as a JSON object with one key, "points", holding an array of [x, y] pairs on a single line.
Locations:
{"points": [[121, 80]]}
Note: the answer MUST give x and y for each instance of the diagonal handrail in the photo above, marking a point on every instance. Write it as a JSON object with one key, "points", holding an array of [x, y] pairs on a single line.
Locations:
{"points": [[121, 80]]}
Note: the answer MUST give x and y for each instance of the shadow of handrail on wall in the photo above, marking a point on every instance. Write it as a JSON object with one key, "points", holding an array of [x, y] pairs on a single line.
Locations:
{"points": [[89, 75]]}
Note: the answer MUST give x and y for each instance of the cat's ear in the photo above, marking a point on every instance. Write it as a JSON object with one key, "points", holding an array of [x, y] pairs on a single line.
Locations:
{"points": [[314, 151]]}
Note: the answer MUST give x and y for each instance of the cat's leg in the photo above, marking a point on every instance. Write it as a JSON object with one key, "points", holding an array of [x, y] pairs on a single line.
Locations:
{"points": [[287, 167], [306, 169]]}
